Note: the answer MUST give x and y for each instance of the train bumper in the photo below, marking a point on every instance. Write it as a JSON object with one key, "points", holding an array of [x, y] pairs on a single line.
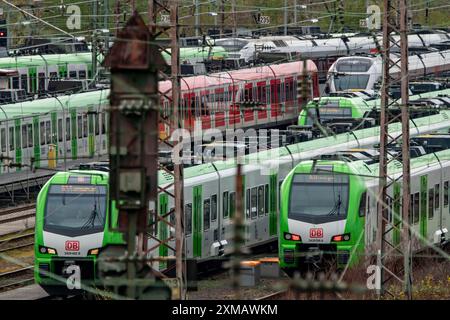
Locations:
{"points": [[298, 255], [65, 273]]}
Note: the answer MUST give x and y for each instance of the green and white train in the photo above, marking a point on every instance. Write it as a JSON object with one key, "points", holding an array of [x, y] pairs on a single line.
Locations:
{"points": [[356, 105], [329, 209], [72, 207]]}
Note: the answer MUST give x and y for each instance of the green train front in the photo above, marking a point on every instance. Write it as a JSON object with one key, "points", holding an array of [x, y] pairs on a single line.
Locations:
{"points": [[321, 215], [71, 212]]}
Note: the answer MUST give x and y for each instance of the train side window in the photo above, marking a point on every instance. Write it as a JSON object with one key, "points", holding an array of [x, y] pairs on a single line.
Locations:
{"points": [[11, 138], [445, 193], [416, 206], [411, 209], [48, 132], [80, 127], [206, 213], [24, 82], [213, 207], [188, 218], [436, 196], [60, 138], [368, 206], [15, 82], [85, 125], [97, 124], [261, 203], [30, 134], [232, 204], [362, 205], [266, 199], [24, 135], [67, 129], [42, 132], [82, 74], [103, 123], [3, 139], [431, 203], [41, 83], [225, 206], [254, 202], [73, 74], [247, 204]]}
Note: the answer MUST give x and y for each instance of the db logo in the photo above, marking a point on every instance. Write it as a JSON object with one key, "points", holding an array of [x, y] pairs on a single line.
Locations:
{"points": [[72, 245], [316, 233]]}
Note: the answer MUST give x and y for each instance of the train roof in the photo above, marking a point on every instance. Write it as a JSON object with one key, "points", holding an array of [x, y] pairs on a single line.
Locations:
{"points": [[242, 75], [51, 59]]}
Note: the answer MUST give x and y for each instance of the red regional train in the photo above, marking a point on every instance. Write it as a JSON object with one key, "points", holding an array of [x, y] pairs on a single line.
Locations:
{"points": [[259, 97]]}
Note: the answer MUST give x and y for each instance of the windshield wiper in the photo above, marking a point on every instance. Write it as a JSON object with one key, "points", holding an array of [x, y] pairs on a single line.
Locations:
{"points": [[337, 207], [90, 223]]}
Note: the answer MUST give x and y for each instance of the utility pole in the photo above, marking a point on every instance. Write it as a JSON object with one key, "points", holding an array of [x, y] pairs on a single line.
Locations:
{"points": [[233, 15], [133, 152], [285, 18], [390, 25], [172, 121], [197, 18], [295, 13], [222, 17]]}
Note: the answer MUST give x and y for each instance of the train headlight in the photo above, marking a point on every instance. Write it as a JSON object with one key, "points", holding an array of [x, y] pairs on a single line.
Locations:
{"points": [[292, 237], [341, 237], [94, 251], [47, 250]]}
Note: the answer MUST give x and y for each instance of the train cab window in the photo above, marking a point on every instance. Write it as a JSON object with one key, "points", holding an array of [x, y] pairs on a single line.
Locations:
{"points": [[266, 198], [48, 132], [213, 207], [188, 218], [3, 139], [24, 135], [225, 206], [80, 127], [60, 130], [436, 196], [82, 74], [30, 134], [24, 82], [11, 138], [445, 193], [362, 205], [261, 203], [430, 203], [42, 132], [416, 206], [85, 125], [247, 204], [254, 202], [206, 213], [232, 205], [67, 129]]}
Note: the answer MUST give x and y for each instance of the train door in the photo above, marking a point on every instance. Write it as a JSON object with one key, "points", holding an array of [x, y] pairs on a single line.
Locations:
{"points": [[434, 204], [233, 112], [204, 111], [197, 222], [27, 140], [275, 87], [291, 110], [163, 228], [91, 133], [189, 114], [210, 217], [261, 99], [248, 110], [36, 144], [18, 144], [41, 76], [423, 206], [188, 210]]}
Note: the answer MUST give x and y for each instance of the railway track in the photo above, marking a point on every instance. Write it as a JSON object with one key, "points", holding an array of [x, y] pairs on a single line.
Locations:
{"points": [[279, 295], [17, 242], [16, 278], [11, 214]]}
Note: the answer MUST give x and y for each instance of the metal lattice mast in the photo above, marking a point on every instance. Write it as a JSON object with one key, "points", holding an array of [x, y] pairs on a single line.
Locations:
{"points": [[394, 21], [171, 120]]}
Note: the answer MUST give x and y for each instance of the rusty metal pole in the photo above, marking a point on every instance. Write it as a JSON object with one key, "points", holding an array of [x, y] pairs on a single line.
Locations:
{"points": [[178, 167], [404, 87], [238, 230]]}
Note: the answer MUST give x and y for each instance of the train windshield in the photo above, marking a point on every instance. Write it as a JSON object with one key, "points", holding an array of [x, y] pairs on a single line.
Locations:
{"points": [[318, 198], [350, 81], [75, 209], [327, 113]]}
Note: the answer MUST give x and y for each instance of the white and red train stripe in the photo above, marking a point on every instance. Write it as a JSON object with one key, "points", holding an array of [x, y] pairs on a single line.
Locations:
{"points": [[224, 100]]}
